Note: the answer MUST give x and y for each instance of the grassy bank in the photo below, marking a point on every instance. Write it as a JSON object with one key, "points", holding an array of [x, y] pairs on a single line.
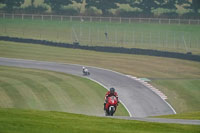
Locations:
{"points": [[190, 115], [180, 38], [183, 94], [46, 90], [23, 121]]}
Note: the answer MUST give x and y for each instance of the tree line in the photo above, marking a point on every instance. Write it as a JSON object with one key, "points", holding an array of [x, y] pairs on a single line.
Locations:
{"points": [[141, 6]]}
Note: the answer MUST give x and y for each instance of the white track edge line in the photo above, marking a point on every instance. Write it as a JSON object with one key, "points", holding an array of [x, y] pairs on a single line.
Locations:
{"points": [[137, 79]]}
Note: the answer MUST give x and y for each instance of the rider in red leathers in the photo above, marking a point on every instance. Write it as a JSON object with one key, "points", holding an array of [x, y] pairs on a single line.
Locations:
{"points": [[109, 94]]}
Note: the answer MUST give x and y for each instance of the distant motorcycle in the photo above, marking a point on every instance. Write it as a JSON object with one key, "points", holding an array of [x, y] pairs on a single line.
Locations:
{"points": [[86, 72], [111, 106]]}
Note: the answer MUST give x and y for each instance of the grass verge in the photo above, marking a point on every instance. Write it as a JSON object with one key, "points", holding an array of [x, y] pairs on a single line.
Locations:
{"points": [[31, 121], [183, 93], [190, 115]]}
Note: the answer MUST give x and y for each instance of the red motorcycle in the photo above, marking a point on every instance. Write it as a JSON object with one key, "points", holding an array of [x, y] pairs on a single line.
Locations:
{"points": [[111, 106]]}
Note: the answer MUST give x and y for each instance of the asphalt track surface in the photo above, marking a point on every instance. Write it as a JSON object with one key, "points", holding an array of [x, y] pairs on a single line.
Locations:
{"points": [[139, 100]]}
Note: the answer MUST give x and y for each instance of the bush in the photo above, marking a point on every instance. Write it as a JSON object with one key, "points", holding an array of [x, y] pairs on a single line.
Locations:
{"points": [[191, 15], [35, 10], [68, 11], [172, 15], [137, 14], [92, 12]]}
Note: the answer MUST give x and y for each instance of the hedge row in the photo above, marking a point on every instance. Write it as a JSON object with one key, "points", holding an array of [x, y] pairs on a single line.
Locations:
{"points": [[185, 56]]}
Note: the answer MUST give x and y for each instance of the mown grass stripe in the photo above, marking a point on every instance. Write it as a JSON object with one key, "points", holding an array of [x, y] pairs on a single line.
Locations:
{"points": [[82, 94], [13, 93], [59, 94], [39, 90], [5, 101], [89, 96], [63, 100], [63, 90], [69, 93], [86, 89], [25, 91]]}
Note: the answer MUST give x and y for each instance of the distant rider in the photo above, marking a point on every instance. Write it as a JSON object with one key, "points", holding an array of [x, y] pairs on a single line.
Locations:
{"points": [[84, 69], [109, 94]]}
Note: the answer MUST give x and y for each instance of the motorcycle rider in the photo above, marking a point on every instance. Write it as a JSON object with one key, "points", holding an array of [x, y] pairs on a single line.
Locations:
{"points": [[109, 94], [83, 69]]}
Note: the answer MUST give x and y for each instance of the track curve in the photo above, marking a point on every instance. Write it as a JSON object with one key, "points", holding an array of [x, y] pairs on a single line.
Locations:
{"points": [[139, 100]]}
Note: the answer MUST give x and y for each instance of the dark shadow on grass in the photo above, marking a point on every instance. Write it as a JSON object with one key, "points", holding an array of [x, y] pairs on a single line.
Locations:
{"points": [[137, 51]]}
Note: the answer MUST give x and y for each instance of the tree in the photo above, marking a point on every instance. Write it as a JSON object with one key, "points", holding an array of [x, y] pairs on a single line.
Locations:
{"points": [[56, 5], [146, 5], [104, 5], [10, 4], [195, 6], [2, 1], [32, 3], [169, 4]]}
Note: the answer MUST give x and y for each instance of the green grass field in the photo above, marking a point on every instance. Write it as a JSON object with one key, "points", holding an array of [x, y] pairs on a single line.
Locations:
{"points": [[30, 121], [46, 90], [178, 79], [179, 38], [190, 115], [181, 92]]}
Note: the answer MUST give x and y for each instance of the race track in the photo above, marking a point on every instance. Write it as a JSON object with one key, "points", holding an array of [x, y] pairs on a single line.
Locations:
{"points": [[139, 100]]}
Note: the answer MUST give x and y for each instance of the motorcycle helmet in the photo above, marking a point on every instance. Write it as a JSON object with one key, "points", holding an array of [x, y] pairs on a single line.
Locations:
{"points": [[112, 90], [83, 67]]}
